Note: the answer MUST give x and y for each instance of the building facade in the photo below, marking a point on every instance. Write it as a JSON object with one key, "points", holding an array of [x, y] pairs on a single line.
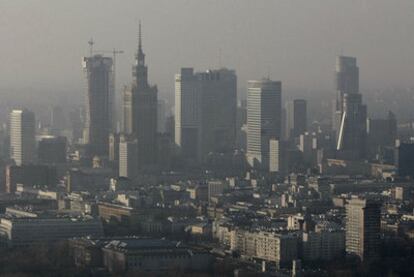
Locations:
{"points": [[99, 104], [264, 113], [140, 110], [22, 137], [296, 118], [205, 112], [350, 115], [363, 223]]}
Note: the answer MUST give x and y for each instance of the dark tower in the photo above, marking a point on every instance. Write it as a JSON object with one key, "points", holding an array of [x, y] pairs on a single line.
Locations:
{"points": [[144, 110]]}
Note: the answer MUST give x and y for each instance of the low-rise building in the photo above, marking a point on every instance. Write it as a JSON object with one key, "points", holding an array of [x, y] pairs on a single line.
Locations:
{"points": [[27, 231], [153, 255]]}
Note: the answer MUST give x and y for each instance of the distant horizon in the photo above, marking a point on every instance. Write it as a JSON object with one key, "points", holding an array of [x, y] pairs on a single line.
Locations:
{"points": [[295, 42]]}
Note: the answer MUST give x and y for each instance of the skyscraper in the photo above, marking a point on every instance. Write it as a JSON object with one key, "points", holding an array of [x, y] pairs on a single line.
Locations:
{"points": [[264, 111], [347, 78], [350, 114], [140, 110], [52, 150], [128, 158], [404, 159], [276, 156], [296, 118], [22, 136], [99, 108], [363, 222], [161, 116], [205, 112]]}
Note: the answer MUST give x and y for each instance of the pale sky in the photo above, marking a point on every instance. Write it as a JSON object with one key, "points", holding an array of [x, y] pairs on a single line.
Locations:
{"points": [[295, 41]]}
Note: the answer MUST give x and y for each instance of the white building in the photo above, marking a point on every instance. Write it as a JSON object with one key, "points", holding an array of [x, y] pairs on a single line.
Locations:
{"points": [[22, 136], [128, 158], [264, 112], [269, 246], [275, 156]]}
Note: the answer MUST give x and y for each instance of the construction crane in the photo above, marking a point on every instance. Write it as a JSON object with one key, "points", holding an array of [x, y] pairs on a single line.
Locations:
{"points": [[91, 43]]}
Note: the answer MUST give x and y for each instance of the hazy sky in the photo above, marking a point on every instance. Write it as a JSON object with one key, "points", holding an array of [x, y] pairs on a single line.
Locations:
{"points": [[295, 41]]}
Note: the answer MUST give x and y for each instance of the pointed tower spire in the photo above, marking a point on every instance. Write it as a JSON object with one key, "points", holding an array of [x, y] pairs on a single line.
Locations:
{"points": [[140, 71], [140, 54], [139, 38]]}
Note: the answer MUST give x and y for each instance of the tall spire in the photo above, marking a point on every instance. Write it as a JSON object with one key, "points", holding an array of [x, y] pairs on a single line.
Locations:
{"points": [[139, 38], [140, 54], [140, 70]]}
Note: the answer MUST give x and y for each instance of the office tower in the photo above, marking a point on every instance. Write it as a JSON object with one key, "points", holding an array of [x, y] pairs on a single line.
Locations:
{"points": [[161, 116], [127, 117], [57, 121], [113, 154], [241, 125], [205, 112], [30, 175], [264, 112], [404, 159], [275, 156], [98, 123], [76, 124], [351, 142], [347, 82], [22, 136], [363, 220], [350, 114], [52, 150], [296, 118], [308, 144], [140, 110], [381, 136], [128, 158]]}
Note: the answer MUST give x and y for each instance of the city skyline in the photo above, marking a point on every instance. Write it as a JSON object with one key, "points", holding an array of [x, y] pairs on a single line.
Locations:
{"points": [[225, 152]]}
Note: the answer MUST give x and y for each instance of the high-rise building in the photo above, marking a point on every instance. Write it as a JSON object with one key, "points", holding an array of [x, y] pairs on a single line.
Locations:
{"points": [[22, 136], [113, 154], [57, 121], [381, 134], [161, 116], [128, 158], [52, 150], [347, 81], [127, 117], [99, 103], [363, 223], [296, 118], [351, 143], [264, 111], [140, 110], [350, 114], [404, 159], [205, 112], [30, 175], [275, 156]]}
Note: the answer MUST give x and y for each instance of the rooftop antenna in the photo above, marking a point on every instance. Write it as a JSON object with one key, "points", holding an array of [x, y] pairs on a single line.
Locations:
{"points": [[91, 43]]}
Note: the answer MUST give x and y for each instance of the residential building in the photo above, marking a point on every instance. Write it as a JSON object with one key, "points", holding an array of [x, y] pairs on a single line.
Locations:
{"points": [[363, 223]]}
